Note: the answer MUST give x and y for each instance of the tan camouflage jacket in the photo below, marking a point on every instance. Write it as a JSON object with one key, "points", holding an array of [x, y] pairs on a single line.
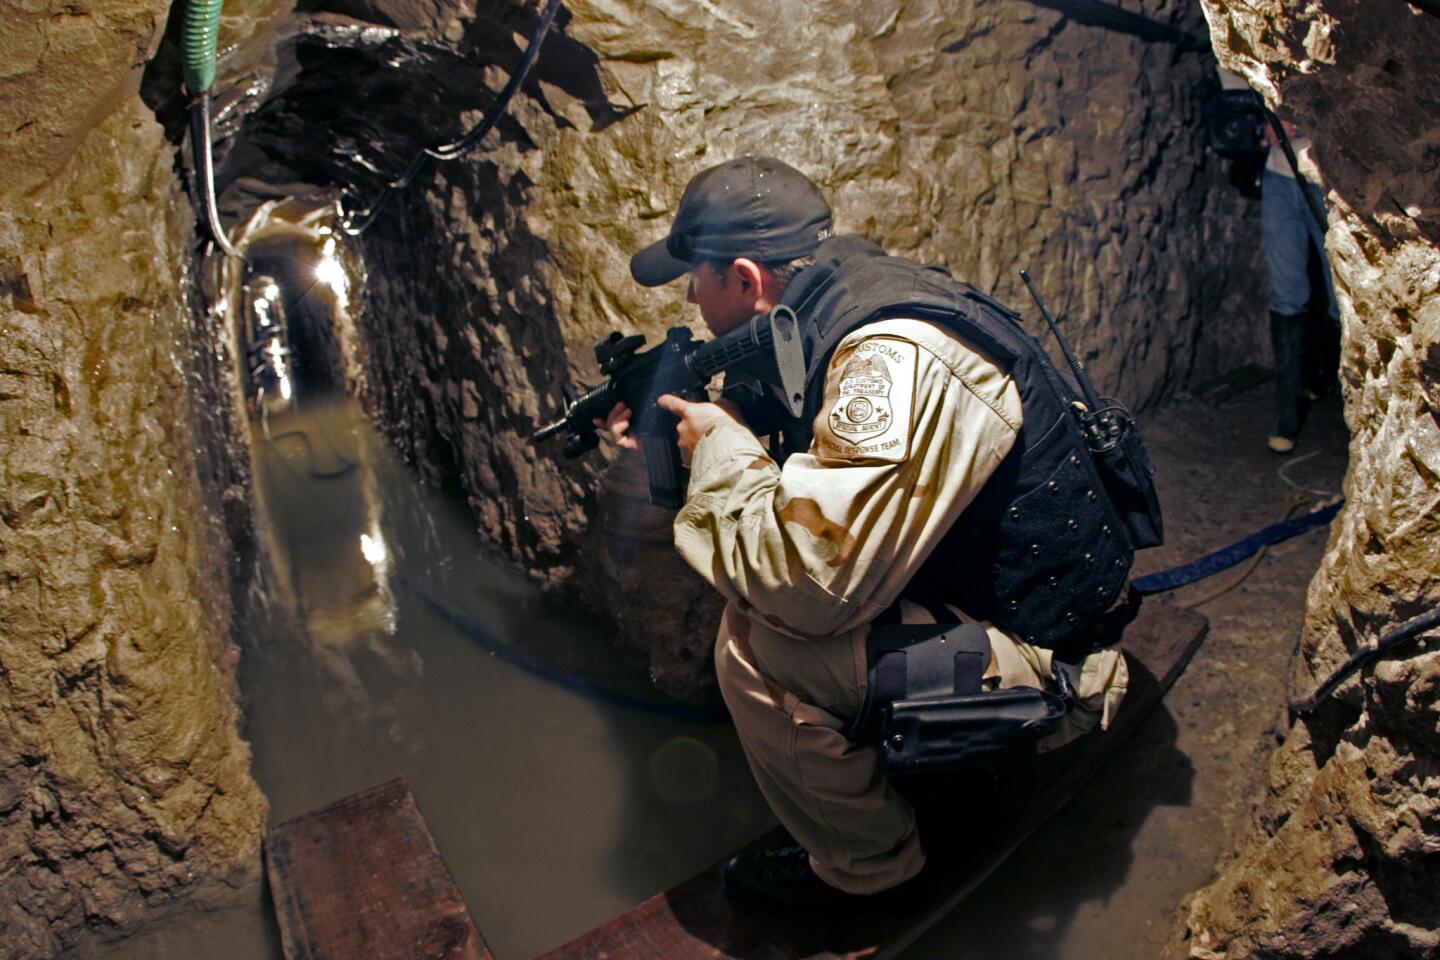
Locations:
{"points": [[912, 425]]}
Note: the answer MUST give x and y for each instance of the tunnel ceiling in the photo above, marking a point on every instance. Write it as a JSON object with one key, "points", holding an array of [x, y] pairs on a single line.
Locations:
{"points": [[341, 96]]}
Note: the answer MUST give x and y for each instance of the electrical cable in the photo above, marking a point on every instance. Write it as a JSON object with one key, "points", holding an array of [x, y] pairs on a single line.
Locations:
{"points": [[1309, 492], [1367, 655], [357, 223], [1191, 603], [200, 35], [202, 152], [1322, 494]]}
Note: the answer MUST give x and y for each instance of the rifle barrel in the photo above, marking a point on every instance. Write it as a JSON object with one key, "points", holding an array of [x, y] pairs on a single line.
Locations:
{"points": [[545, 433]]}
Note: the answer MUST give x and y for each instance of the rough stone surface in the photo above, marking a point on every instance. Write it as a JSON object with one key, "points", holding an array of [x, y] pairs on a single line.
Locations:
{"points": [[1342, 855], [989, 136], [123, 779]]}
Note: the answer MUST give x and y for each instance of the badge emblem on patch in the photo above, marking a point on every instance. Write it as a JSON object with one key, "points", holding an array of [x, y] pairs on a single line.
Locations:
{"points": [[870, 417], [863, 410]]}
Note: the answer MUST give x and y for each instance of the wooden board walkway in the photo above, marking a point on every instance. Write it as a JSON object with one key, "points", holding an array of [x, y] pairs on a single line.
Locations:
{"points": [[362, 878], [694, 921]]}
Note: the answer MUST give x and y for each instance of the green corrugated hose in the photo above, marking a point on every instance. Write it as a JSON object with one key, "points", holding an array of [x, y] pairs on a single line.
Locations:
{"points": [[200, 37]]}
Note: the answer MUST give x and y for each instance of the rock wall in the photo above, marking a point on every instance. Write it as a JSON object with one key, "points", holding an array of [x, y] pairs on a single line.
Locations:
{"points": [[1342, 857], [987, 135], [123, 779]]}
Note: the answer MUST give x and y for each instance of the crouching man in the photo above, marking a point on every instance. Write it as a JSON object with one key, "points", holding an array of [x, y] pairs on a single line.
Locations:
{"points": [[905, 424]]}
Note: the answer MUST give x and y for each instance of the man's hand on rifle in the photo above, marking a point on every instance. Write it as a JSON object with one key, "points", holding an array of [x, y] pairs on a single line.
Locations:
{"points": [[698, 419], [617, 424]]}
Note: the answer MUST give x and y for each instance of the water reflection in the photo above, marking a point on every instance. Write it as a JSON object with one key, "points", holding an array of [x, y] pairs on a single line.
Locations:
{"points": [[555, 811], [323, 516], [265, 330]]}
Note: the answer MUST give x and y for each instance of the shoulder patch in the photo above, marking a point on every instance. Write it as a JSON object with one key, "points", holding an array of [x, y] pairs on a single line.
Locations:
{"points": [[868, 402]]}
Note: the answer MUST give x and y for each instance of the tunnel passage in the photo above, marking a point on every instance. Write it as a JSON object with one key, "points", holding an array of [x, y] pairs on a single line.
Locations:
{"points": [[490, 278], [77, 296], [290, 346], [457, 351]]}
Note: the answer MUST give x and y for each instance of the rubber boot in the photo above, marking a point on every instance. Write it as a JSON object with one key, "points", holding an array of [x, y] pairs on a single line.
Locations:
{"points": [[1287, 336], [1322, 357]]}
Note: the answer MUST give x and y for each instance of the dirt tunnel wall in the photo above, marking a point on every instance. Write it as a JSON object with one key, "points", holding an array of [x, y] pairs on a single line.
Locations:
{"points": [[1341, 858], [123, 779]]}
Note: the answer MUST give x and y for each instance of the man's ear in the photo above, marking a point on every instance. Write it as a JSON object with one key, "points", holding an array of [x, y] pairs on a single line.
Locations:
{"points": [[751, 274]]}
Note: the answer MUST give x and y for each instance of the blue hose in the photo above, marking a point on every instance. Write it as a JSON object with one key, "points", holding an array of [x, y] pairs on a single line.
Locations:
{"points": [[1213, 563]]}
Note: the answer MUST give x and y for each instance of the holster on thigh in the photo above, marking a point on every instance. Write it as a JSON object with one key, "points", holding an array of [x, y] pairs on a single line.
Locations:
{"points": [[928, 710]]}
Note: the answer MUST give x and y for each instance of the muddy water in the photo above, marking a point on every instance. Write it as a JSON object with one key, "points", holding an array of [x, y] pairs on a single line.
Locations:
{"points": [[556, 811], [387, 646]]}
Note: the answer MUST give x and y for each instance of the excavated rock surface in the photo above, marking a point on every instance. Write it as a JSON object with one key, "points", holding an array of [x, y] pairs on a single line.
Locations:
{"points": [[123, 779], [1342, 855], [987, 136]]}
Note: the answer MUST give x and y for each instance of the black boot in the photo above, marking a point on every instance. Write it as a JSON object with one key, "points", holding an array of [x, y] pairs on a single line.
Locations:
{"points": [[1287, 336], [1322, 356], [779, 882]]}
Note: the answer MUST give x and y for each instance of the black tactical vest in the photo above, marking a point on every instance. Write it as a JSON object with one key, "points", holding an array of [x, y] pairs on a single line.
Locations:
{"points": [[1041, 551]]}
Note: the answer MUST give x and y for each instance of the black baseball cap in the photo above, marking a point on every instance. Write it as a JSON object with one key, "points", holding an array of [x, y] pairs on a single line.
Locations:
{"points": [[754, 207]]}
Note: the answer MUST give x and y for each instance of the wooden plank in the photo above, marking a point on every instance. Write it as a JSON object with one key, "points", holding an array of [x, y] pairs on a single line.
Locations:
{"points": [[362, 878], [694, 921]]}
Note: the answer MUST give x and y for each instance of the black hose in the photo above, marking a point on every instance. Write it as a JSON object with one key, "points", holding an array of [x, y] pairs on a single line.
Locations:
{"points": [[359, 222], [1367, 655]]}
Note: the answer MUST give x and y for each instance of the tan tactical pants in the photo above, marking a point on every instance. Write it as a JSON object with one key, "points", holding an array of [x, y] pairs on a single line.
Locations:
{"points": [[790, 700], [827, 791]]}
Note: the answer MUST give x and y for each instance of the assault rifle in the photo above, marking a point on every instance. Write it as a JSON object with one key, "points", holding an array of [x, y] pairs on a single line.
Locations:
{"points": [[767, 349]]}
